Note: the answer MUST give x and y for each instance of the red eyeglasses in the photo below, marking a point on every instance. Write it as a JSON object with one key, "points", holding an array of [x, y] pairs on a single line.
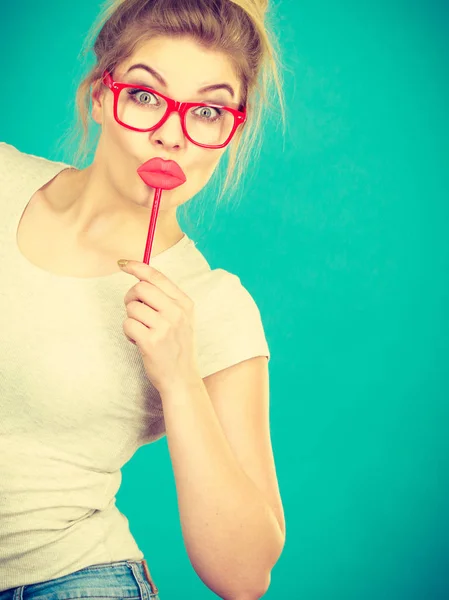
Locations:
{"points": [[213, 130]]}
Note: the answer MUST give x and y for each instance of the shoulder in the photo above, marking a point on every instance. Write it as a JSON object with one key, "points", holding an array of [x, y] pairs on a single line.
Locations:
{"points": [[14, 163], [14, 169], [12, 159], [222, 290], [214, 291], [11, 153], [228, 304], [230, 289], [19, 169], [229, 324]]}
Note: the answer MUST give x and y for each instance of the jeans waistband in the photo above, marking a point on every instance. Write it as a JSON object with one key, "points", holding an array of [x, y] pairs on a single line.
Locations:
{"points": [[113, 577]]}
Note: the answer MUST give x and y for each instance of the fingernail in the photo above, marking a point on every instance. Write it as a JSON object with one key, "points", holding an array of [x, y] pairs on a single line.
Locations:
{"points": [[122, 262]]}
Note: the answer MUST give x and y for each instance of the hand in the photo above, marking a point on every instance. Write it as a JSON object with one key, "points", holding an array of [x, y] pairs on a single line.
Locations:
{"points": [[161, 323]]}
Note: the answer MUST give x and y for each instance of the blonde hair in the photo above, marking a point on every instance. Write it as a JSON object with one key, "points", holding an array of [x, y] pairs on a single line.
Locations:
{"points": [[236, 28]]}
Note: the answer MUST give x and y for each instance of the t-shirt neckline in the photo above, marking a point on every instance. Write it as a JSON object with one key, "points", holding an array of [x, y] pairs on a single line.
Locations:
{"points": [[33, 269]]}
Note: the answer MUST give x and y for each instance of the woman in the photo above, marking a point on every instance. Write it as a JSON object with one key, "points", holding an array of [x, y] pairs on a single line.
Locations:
{"points": [[94, 366]]}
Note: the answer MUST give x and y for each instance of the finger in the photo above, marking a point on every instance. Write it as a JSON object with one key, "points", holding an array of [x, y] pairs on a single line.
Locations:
{"points": [[145, 315], [134, 331], [147, 273], [143, 296], [148, 294]]}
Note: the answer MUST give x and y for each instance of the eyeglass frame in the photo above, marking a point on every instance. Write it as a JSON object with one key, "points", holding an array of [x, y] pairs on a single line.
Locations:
{"points": [[172, 106]]}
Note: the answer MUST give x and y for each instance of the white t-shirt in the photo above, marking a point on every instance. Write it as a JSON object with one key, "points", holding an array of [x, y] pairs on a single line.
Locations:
{"points": [[75, 400]]}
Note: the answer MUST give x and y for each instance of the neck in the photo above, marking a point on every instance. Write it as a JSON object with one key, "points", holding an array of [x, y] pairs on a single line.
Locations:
{"points": [[95, 215]]}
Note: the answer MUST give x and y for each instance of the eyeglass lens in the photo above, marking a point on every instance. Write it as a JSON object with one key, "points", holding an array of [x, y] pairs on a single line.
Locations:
{"points": [[205, 124]]}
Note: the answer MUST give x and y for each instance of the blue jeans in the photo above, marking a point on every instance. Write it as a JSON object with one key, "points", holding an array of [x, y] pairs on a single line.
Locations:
{"points": [[123, 580]]}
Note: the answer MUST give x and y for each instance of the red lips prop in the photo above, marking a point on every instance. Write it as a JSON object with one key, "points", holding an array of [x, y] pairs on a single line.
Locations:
{"points": [[161, 175]]}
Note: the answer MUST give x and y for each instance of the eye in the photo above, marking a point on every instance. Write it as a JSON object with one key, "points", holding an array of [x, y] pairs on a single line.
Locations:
{"points": [[141, 96], [208, 113]]}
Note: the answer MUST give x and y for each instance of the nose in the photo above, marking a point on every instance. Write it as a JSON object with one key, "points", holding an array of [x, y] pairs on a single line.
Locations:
{"points": [[170, 133]]}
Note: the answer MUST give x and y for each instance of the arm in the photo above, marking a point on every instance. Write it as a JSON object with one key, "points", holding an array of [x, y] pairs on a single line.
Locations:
{"points": [[230, 510]]}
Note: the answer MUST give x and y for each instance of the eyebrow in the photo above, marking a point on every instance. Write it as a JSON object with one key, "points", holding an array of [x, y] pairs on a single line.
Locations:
{"points": [[207, 88]]}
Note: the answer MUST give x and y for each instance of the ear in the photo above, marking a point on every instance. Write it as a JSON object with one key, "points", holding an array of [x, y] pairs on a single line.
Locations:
{"points": [[97, 101]]}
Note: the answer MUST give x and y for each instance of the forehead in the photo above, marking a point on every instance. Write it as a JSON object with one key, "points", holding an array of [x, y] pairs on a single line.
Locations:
{"points": [[183, 63]]}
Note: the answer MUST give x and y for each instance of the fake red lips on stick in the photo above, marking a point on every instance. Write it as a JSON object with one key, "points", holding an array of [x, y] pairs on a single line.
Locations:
{"points": [[161, 175]]}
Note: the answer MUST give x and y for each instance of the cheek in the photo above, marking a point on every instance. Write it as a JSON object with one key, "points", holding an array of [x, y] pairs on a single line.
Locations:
{"points": [[126, 139], [208, 162], [200, 175]]}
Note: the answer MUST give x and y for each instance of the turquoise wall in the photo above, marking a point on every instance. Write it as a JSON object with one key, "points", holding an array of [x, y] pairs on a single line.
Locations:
{"points": [[341, 237]]}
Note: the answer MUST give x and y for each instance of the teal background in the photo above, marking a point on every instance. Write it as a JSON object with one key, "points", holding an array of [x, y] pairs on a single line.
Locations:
{"points": [[341, 237]]}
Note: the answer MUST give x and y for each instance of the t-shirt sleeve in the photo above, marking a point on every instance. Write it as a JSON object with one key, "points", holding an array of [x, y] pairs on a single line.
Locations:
{"points": [[230, 327]]}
